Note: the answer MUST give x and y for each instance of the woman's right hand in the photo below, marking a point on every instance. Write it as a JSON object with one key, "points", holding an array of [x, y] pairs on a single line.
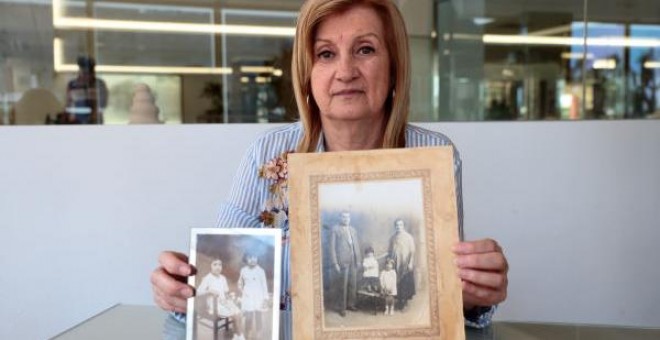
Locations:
{"points": [[168, 281]]}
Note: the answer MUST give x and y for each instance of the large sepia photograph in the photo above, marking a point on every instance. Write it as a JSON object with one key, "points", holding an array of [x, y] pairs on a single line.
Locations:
{"points": [[374, 271], [379, 226], [237, 284]]}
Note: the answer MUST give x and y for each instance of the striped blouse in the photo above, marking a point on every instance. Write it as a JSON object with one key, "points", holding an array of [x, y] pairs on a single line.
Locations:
{"points": [[249, 193]]}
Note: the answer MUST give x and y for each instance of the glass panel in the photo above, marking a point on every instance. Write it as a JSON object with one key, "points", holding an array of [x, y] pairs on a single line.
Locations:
{"points": [[143, 47], [624, 44], [472, 60], [259, 87], [644, 69], [506, 60], [605, 72]]}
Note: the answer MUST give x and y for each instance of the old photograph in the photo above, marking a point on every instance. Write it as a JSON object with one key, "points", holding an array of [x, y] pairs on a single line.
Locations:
{"points": [[237, 284], [373, 232], [374, 271]]}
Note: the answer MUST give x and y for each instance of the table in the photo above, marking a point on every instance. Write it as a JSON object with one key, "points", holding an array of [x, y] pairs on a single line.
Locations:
{"points": [[128, 322], [560, 331]]}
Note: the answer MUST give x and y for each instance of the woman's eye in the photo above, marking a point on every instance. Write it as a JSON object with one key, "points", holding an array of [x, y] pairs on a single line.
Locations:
{"points": [[366, 50], [324, 55]]}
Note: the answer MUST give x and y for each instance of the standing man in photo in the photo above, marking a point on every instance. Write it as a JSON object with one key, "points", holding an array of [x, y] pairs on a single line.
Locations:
{"points": [[346, 255]]}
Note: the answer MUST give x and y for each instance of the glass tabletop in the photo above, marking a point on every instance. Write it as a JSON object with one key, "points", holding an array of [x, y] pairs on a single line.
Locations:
{"points": [[559, 331], [146, 322], [126, 322]]}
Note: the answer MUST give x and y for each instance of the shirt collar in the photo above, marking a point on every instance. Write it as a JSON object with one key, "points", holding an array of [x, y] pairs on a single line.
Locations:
{"points": [[320, 146]]}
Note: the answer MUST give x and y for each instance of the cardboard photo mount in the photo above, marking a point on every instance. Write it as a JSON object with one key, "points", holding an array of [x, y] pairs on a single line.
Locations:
{"points": [[433, 168]]}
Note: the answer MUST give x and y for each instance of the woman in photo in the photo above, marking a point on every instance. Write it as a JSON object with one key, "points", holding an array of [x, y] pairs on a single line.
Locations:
{"points": [[402, 252]]}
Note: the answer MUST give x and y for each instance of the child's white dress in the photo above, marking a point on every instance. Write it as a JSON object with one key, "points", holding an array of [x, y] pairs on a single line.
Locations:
{"points": [[370, 267], [388, 282], [218, 284], [255, 288]]}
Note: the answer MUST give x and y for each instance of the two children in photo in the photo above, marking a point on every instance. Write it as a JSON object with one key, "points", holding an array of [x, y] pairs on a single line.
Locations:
{"points": [[244, 308]]}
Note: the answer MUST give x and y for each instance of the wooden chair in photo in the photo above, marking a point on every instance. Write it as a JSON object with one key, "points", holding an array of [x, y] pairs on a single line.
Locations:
{"points": [[209, 318], [374, 301]]}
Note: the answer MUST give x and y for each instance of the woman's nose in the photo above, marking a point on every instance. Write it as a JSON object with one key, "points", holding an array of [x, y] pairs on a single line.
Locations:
{"points": [[346, 68]]}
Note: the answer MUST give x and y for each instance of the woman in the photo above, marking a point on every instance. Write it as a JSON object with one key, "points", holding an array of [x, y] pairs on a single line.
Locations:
{"points": [[402, 252], [352, 81]]}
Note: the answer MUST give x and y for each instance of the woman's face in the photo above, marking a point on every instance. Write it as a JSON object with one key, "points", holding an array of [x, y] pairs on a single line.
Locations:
{"points": [[351, 71]]}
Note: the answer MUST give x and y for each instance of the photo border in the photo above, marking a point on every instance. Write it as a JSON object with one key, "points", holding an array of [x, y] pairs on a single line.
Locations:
{"points": [[435, 167], [275, 234]]}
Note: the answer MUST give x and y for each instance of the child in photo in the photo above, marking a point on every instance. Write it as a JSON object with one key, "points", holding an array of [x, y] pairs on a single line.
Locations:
{"points": [[214, 286], [388, 286], [254, 300], [370, 274]]}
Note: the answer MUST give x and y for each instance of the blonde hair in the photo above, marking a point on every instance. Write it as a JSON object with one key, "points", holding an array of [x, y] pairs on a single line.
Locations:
{"points": [[312, 13]]}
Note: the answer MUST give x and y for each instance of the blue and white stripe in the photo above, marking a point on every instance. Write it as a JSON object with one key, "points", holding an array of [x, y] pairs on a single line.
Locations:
{"points": [[249, 192]]}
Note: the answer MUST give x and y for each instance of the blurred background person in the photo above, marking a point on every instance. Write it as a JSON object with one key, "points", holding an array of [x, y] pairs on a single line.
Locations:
{"points": [[87, 95]]}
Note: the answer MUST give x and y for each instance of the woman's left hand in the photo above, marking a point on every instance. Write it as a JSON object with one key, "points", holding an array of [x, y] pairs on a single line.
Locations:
{"points": [[483, 269]]}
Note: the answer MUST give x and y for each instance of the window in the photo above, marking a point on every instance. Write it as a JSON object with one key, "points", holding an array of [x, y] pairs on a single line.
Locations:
{"points": [[209, 61]]}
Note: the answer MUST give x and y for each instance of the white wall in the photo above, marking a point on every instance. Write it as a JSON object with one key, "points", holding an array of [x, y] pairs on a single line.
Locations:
{"points": [[84, 212]]}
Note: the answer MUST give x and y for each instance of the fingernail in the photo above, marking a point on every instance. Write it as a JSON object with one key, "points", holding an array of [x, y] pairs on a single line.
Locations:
{"points": [[186, 292], [184, 270]]}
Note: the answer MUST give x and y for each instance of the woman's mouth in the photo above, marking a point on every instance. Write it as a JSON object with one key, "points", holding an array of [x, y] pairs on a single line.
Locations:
{"points": [[348, 93]]}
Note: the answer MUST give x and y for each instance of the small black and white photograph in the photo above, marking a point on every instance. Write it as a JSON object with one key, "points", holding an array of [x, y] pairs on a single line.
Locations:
{"points": [[237, 284], [373, 254]]}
